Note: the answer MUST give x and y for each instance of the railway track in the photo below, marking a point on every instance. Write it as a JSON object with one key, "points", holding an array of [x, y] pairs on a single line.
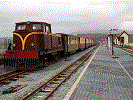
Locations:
{"points": [[10, 76], [129, 50], [48, 88]]}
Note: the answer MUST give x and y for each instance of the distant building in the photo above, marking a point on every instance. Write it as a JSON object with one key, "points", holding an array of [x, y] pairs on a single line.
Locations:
{"points": [[124, 38]]}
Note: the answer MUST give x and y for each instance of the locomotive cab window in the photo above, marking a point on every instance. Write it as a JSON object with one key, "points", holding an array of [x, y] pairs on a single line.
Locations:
{"points": [[36, 26], [21, 27], [47, 30]]}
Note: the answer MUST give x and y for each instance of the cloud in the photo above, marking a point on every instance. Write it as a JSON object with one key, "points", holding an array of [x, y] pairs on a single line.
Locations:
{"points": [[67, 16], [127, 25]]}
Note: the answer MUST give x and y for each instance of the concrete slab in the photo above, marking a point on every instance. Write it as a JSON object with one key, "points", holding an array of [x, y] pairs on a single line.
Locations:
{"points": [[105, 78]]}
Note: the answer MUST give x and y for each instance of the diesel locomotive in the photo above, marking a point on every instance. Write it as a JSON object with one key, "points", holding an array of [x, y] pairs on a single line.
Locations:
{"points": [[34, 44]]}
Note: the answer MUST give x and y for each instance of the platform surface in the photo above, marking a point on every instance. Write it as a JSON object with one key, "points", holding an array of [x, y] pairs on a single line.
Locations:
{"points": [[106, 78]]}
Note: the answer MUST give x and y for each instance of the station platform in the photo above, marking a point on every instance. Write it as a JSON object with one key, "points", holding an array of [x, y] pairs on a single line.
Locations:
{"points": [[105, 78]]}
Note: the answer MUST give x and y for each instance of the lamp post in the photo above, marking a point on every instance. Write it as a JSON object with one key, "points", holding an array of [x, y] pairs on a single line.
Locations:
{"points": [[108, 42], [115, 30], [112, 46]]}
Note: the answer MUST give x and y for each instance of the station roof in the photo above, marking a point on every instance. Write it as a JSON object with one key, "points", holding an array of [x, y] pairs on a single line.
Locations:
{"points": [[124, 32]]}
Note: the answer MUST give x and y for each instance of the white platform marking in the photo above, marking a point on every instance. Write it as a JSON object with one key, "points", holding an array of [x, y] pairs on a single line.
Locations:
{"points": [[124, 69], [122, 66], [78, 79], [124, 51]]}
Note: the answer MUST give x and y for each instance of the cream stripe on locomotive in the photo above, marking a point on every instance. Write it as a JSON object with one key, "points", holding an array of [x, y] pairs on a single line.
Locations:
{"points": [[24, 40]]}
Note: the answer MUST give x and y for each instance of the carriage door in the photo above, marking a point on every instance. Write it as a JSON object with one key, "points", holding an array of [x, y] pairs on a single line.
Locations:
{"points": [[63, 39]]}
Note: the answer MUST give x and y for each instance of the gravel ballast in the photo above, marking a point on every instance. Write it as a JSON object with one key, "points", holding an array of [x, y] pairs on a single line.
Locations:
{"points": [[36, 78]]}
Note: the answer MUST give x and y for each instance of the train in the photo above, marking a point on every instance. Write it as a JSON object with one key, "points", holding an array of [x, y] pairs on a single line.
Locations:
{"points": [[34, 44]]}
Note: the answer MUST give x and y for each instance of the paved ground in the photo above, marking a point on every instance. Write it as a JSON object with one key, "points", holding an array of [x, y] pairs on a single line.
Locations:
{"points": [[106, 78]]}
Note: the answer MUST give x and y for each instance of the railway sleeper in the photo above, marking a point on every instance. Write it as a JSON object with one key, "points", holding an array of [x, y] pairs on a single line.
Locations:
{"points": [[13, 89], [54, 82], [20, 76], [59, 78], [6, 82], [57, 81], [44, 90], [13, 79], [52, 85], [67, 73], [72, 68], [63, 75], [49, 88], [69, 70]]}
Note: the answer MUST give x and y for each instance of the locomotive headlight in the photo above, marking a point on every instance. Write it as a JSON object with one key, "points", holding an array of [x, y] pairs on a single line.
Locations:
{"points": [[13, 45], [32, 44]]}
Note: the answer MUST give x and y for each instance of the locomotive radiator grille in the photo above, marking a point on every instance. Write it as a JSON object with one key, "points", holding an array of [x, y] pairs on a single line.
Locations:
{"points": [[21, 63]]}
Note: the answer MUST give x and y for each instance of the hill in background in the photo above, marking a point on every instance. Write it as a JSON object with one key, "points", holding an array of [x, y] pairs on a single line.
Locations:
{"points": [[96, 35], [100, 35]]}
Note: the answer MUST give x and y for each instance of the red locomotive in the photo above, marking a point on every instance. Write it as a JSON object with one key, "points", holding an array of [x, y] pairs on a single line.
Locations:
{"points": [[34, 44]]}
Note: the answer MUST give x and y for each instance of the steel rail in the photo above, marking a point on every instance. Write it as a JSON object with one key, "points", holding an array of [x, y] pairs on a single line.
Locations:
{"points": [[66, 70], [10, 75], [125, 49], [130, 51], [4, 75]]}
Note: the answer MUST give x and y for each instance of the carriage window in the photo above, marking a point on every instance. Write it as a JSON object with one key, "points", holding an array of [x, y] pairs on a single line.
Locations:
{"points": [[21, 27], [37, 26]]}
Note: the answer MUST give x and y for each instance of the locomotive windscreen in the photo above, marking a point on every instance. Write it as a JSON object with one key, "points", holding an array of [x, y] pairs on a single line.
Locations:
{"points": [[21, 27], [28, 27], [36, 26]]}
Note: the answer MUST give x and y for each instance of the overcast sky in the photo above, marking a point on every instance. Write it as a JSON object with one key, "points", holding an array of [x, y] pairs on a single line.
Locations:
{"points": [[67, 16]]}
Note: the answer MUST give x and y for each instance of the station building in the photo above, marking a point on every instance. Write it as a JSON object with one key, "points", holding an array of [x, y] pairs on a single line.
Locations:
{"points": [[123, 39]]}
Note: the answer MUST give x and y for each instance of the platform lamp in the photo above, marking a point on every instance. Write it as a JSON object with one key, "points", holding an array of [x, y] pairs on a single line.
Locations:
{"points": [[112, 32]]}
